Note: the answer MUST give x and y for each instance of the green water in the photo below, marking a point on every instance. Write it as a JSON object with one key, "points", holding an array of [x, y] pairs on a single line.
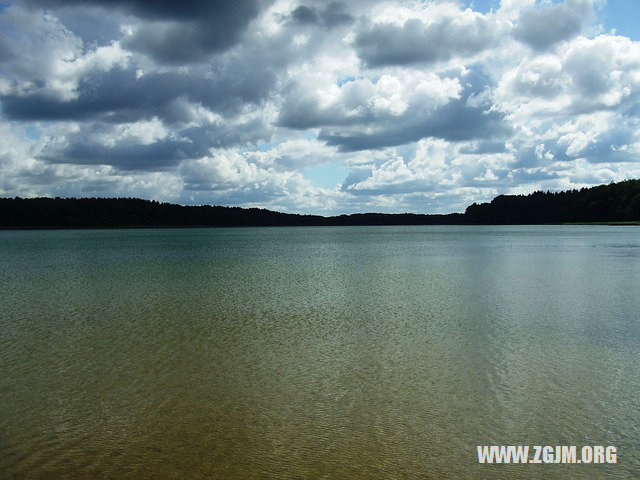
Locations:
{"points": [[349, 352]]}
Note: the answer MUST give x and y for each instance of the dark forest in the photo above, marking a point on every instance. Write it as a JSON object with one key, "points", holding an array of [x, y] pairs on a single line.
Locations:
{"points": [[613, 203]]}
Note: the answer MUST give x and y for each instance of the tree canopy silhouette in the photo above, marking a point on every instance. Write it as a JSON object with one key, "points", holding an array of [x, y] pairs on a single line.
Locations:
{"points": [[616, 202]]}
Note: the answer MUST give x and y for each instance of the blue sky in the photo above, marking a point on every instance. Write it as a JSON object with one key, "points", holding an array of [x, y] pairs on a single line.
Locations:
{"points": [[623, 16], [318, 106]]}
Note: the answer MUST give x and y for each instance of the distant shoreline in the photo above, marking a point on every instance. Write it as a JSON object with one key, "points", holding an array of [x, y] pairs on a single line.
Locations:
{"points": [[184, 227], [613, 204]]}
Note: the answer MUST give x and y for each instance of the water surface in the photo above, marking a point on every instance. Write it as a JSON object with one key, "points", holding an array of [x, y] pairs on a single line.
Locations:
{"points": [[344, 352]]}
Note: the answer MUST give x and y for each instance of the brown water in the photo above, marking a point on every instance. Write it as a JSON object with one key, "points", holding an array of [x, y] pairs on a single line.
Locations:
{"points": [[382, 352]]}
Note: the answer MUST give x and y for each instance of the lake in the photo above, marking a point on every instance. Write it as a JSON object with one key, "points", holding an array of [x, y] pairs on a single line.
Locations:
{"points": [[320, 352]]}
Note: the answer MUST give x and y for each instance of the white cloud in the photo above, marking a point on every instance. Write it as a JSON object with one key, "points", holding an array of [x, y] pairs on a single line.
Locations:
{"points": [[43, 55], [427, 105], [425, 33]]}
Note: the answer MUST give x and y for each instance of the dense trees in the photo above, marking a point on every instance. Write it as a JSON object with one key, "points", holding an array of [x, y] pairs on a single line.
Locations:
{"points": [[133, 212], [617, 202], [605, 203]]}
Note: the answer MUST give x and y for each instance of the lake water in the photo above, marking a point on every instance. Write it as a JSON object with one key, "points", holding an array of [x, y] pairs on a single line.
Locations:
{"points": [[346, 352]]}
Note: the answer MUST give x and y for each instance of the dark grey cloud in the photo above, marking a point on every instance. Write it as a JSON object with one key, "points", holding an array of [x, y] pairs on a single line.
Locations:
{"points": [[334, 14], [6, 52], [416, 41], [178, 32], [155, 156], [543, 27], [194, 40], [91, 24], [118, 95], [130, 154], [305, 15], [154, 9], [301, 111], [330, 15], [454, 121], [484, 147]]}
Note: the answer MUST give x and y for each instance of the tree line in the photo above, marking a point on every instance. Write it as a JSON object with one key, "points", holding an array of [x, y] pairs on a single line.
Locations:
{"points": [[616, 202]]}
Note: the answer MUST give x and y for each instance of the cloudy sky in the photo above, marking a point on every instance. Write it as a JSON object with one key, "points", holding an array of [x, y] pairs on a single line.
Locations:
{"points": [[317, 106]]}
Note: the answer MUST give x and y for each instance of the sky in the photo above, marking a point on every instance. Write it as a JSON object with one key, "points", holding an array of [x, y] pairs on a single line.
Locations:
{"points": [[324, 107]]}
